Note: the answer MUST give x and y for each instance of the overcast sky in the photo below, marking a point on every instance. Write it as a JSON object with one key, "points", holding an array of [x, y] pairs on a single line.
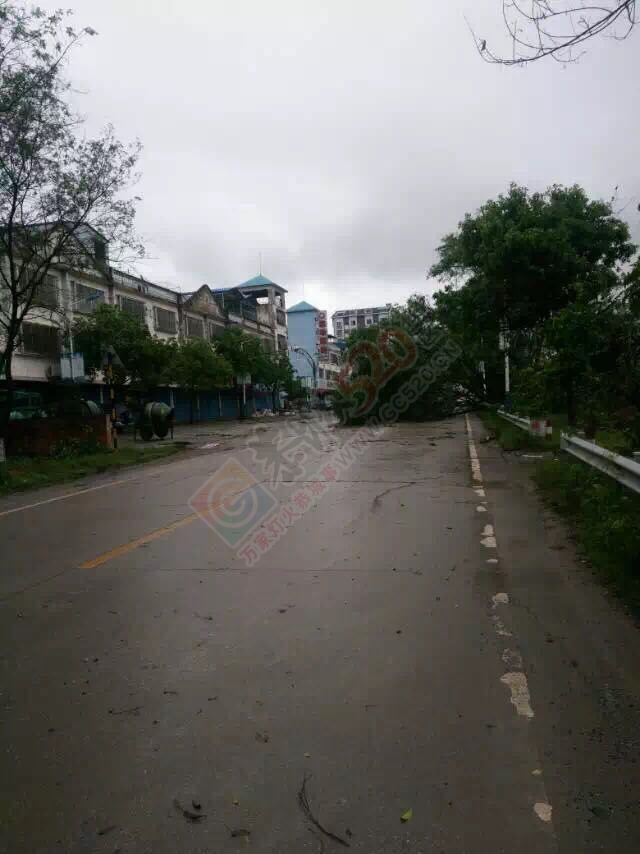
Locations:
{"points": [[340, 139]]}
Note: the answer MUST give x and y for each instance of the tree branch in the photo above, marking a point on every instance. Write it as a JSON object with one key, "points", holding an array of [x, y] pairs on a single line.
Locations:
{"points": [[542, 30]]}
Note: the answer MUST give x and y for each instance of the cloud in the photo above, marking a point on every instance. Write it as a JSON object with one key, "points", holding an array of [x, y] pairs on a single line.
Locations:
{"points": [[341, 141]]}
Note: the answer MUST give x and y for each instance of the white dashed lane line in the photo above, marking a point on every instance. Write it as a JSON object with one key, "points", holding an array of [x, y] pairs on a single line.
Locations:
{"points": [[515, 678]]}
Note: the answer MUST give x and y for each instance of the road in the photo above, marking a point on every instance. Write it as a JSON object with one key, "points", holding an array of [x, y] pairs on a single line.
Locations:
{"points": [[422, 639]]}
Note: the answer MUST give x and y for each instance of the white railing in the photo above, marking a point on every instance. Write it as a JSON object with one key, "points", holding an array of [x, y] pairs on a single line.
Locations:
{"points": [[535, 426], [523, 423], [626, 471]]}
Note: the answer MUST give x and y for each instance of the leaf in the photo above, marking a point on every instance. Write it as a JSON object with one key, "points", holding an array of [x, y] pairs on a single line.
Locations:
{"points": [[406, 816]]}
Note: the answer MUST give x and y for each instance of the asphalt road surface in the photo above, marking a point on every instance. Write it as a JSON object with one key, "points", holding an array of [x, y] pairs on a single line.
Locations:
{"points": [[421, 643]]}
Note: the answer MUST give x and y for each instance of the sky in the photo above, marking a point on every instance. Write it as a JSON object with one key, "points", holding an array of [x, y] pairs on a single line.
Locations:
{"points": [[340, 140]]}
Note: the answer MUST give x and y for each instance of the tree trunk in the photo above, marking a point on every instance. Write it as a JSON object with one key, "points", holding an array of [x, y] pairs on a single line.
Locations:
{"points": [[192, 394], [9, 387]]}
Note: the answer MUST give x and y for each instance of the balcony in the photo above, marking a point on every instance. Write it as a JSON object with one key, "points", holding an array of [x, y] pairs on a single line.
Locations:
{"points": [[281, 317]]}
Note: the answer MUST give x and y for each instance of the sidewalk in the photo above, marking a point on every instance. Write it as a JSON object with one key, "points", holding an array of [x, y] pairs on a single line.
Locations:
{"points": [[224, 433]]}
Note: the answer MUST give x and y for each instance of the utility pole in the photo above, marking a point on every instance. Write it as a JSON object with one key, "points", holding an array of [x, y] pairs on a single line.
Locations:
{"points": [[504, 346]]}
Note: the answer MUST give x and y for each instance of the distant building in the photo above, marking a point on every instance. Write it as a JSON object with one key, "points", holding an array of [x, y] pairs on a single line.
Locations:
{"points": [[307, 328], [329, 364], [259, 306], [302, 324], [348, 319]]}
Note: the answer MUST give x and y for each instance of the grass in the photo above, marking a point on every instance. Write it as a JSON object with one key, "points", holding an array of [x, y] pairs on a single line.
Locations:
{"points": [[512, 438], [23, 473], [605, 518]]}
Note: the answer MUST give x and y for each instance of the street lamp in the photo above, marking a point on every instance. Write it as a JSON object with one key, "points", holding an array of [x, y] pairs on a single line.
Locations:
{"points": [[310, 359]]}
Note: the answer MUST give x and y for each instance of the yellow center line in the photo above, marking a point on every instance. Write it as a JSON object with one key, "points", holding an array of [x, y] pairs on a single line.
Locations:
{"points": [[125, 548]]}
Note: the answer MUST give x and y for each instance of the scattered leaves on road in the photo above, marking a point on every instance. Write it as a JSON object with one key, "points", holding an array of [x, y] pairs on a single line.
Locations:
{"points": [[406, 816], [239, 833], [188, 815]]}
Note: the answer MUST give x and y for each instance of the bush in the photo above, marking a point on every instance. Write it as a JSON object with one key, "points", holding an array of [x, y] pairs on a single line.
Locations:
{"points": [[614, 440], [66, 448], [605, 515]]}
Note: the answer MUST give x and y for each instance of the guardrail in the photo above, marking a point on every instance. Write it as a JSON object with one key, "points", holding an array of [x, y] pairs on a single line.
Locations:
{"points": [[535, 426], [622, 469], [523, 423]]}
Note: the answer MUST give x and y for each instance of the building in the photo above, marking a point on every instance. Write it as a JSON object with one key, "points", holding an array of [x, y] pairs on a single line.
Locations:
{"points": [[45, 353], [302, 323], [317, 360], [329, 364], [348, 319], [258, 305]]}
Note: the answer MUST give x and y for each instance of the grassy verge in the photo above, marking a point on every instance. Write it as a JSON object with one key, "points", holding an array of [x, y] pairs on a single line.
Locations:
{"points": [[27, 473], [605, 517], [512, 438]]}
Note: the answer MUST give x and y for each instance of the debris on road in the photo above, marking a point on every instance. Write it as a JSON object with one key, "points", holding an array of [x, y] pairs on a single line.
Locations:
{"points": [[106, 830], [134, 710], [239, 832], [263, 737], [406, 816], [303, 803], [188, 815]]}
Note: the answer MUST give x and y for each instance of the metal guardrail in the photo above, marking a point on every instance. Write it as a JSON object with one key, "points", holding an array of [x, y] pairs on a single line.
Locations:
{"points": [[622, 469], [523, 423]]}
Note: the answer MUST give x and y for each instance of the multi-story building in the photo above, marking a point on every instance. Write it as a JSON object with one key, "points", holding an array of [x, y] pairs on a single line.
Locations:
{"points": [[258, 305], [45, 352], [314, 356], [348, 319], [329, 364], [302, 323]]}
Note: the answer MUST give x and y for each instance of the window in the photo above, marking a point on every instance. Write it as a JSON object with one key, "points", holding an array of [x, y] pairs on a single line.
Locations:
{"points": [[352, 322], [215, 330], [132, 306], [165, 320], [40, 340], [86, 299], [195, 327], [46, 293], [369, 321]]}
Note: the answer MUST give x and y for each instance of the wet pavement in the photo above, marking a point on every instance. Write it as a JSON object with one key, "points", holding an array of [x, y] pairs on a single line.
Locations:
{"points": [[422, 643]]}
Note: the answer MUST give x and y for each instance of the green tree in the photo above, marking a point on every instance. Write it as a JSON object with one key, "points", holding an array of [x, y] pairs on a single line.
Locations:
{"points": [[530, 254], [382, 361], [196, 366], [143, 361], [61, 192], [275, 372], [523, 260], [244, 352]]}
